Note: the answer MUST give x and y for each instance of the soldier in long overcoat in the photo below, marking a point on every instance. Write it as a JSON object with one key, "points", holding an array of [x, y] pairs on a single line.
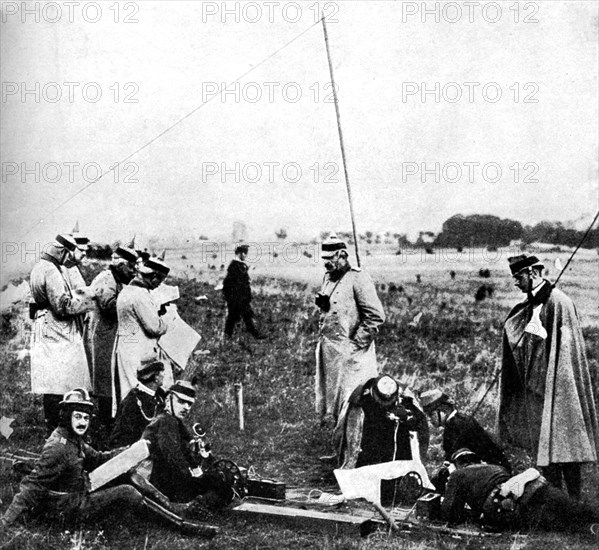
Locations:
{"points": [[351, 314], [58, 361], [140, 324], [102, 325], [547, 404]]}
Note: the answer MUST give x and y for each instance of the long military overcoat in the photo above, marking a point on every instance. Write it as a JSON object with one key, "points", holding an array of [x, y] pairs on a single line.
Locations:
{"points": [[58, 362], [345, 354], [547, 404], [139, 327]]}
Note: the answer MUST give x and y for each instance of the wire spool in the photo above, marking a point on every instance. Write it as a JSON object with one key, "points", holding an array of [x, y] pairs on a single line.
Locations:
{"points": [[409, 488], [232, 476]]}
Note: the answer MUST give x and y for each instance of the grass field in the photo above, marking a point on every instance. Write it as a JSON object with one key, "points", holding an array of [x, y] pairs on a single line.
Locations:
{"points": [[454, 345]]}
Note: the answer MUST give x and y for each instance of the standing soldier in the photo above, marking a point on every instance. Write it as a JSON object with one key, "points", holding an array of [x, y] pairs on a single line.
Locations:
{"points": [[238, 295], [351, 314], [102, 326], [58, 361], [546, 401], [140, 324], [74, 273]]}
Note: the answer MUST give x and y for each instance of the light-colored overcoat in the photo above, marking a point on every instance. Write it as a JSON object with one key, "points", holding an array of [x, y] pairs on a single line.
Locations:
{"points": [[139, 327], [547, 404], [101, 330], [345, 354], [58, 362]]}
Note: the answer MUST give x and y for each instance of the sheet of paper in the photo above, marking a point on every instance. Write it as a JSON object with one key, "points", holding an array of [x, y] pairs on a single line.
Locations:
{"points": [[165, 294], [180, 339], [118, 465]]}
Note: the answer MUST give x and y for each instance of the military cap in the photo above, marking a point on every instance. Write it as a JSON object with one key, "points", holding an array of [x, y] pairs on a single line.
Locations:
{"points": [[331, 245], [518, 263], [148, 368], [184, 390], [432, 399], [66, 241], [154, 265], [77, 399]]}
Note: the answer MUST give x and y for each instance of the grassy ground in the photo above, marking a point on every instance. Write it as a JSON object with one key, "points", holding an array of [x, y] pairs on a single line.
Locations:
{"points": [[436, 335]]}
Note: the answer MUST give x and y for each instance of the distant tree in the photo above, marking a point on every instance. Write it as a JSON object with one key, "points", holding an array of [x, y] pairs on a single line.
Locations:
{"points": [[281, 234], [478, 230]]}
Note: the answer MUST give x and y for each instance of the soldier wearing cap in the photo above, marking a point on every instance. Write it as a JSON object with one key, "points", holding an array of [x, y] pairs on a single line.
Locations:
{"points": [[238, 294], [102, 326], [175, 470], [74, 273], [547, 404], [351, 314], [141, 405], [140, 324], [460, 430], [58, 360], [59, 485], [375, 424], [498, 501]]}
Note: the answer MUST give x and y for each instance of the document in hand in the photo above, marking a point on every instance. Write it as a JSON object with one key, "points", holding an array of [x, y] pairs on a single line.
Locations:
{"points": [[179, 341], [165, 294], [120, 464]]}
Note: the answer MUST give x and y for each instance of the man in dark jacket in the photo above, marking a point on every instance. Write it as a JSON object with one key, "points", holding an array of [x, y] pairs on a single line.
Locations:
{"points": [[460, 430], [238, 294], [141, 405], [59, 484], [525, 501], [176, 471], [375, 424]]}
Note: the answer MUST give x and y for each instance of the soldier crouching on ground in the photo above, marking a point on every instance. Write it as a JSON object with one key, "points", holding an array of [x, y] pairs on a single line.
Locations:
{"points": [[59, 485], [177, 471], [498, 501], [375, 423]]}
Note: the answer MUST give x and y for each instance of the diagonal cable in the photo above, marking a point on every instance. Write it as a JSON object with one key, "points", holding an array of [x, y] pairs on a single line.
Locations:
{"points": [[168, 129]]}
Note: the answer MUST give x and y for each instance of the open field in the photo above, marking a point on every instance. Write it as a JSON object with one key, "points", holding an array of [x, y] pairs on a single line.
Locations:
{"points": [[455, 345]]}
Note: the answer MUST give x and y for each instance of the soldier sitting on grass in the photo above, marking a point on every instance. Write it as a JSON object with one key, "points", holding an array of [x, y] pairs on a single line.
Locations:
{"points": [[59, 484]]}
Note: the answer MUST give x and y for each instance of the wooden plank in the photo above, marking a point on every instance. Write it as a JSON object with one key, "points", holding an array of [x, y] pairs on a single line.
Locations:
{"points": [[308, 519]]}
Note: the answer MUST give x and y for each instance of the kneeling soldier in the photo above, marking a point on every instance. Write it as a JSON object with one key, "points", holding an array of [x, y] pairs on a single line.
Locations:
{"points": [[59, 484], [498, 501]]}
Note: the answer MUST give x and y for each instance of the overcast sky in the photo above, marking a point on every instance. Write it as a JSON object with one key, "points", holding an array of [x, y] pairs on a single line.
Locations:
{"points": [[526, 73]]}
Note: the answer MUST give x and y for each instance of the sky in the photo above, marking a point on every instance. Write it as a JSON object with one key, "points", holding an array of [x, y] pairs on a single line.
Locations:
{"points": [[445, 108]]}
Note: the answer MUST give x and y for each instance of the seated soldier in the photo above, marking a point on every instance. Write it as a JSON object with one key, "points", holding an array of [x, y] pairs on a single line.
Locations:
{"points": [[498, 501], [375, 423], [460, 430], [177, 471], [141, 405], [59, 486]]}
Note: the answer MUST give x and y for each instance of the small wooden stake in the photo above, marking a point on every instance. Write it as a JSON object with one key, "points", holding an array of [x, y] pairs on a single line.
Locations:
{"points": [[239, 388]]}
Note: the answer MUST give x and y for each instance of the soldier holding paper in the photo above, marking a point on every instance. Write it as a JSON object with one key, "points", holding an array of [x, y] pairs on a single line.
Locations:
{"points": [[58, 360]]}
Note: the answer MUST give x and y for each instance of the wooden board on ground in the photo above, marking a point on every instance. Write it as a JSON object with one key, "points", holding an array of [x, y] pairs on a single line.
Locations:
{"points": [[338, 523]]}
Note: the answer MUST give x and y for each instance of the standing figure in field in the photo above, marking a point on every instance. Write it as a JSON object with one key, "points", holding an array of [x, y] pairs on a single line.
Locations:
{"points": [[141, 405], [140, 324], [238, 295], [546, 401], [375, 424], [74, 273], [58, 360], [102, 326], [351, 314]]}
